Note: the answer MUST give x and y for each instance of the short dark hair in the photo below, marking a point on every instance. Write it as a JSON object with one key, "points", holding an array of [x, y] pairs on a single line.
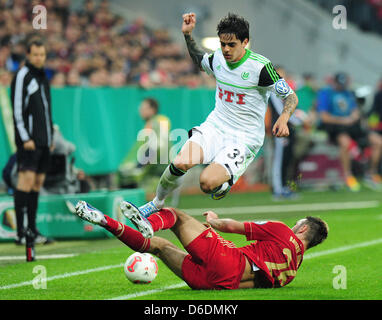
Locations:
{"points": [[318, 231], [34, 42], [234, 24], [153, 103]]}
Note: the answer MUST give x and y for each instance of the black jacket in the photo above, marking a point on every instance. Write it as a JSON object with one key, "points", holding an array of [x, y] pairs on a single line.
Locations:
{"points": [[32, 115]]}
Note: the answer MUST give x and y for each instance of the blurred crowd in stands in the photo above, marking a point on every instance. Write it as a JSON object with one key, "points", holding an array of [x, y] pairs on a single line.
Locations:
{"points": [[92, 46]]}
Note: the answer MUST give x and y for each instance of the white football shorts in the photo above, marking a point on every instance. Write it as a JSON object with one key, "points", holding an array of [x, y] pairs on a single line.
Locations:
{"points": [[224, 149]]}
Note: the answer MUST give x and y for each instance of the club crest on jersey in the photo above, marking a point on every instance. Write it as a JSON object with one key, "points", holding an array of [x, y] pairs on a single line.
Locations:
{"points": [[282, 87], [245, 75]]}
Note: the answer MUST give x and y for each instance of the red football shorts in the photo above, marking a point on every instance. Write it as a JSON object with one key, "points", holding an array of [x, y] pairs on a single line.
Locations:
{"points": [[213, 263]]}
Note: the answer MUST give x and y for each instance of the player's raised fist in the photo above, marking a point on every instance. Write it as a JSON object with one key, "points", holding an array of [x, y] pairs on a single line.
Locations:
{"points": [[189, 21]]}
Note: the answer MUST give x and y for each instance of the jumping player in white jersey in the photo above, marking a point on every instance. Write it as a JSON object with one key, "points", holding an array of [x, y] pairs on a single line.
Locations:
{"points": [[233, 133]]}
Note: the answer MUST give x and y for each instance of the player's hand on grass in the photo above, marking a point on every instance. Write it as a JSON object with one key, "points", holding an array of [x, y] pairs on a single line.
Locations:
{"points": [[189, 21]]}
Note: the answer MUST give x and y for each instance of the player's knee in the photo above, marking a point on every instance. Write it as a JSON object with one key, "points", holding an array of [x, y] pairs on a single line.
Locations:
{"points": [[204, 186], [209, 183], [208, 186], [180, 164], [156, 245], [181, 217]]}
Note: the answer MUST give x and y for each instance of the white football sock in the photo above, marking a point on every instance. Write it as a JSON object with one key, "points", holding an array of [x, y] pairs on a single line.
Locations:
{"points": [[168, 182]]}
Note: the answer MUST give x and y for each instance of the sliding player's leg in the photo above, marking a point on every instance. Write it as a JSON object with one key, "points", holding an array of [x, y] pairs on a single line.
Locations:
{"points": [[212, 262], [163, 219], [169, 253], [190, 155], [185, 227], [126, 234], [197, 267]]}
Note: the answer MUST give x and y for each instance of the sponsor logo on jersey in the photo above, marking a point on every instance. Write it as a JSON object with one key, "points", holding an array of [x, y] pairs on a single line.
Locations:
{"points": [[282, 87], [230, 96]]}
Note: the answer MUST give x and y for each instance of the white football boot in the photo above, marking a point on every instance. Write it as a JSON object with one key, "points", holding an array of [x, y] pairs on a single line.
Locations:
{"points": [[90, 214], [131, 212]]}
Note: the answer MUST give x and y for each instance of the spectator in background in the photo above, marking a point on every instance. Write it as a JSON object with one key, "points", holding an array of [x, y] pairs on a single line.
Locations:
{"points": [[58, 80], [117, 79], [63, 177], [306, 111], [5, 78], [73, 78], [143, 160], [340, 118], [375, 114], [283, 185]]}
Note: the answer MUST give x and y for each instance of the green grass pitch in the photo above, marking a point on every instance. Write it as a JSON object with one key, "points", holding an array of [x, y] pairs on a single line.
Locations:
{"points": [[347, 266]]}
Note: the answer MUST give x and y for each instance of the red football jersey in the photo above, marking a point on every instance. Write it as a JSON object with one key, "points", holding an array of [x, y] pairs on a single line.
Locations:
{"points": [[277, 251]]}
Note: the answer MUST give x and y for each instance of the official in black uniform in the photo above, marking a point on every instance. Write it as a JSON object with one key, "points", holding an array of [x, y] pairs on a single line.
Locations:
{"points": [[30, 95]]}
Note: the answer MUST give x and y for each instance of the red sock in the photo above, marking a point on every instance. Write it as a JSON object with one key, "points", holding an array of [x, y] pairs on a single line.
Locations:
{"points": [[164, 219], [127, 235]]}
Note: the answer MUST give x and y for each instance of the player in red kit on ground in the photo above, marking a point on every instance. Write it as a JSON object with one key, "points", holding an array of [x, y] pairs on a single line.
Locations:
{"points": [[210, 261]]}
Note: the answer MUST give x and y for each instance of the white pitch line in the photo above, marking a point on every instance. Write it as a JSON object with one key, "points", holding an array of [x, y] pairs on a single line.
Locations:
{"points": [[62, 276], [145, 293], [42, 257], [288, 208], [342, 249]]}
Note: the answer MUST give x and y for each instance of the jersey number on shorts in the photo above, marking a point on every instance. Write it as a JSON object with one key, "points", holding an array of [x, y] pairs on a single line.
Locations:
{"points": [[236, 153]]}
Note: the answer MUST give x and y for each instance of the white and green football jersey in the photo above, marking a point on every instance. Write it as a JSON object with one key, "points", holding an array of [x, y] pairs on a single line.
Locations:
{"points": [[242, 92]]}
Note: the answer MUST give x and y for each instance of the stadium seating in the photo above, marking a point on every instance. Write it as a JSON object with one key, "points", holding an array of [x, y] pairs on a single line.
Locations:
{"points": [[93, 46]]}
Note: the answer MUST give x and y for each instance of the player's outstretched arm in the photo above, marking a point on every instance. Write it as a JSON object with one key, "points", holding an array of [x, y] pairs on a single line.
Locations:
{"points": [[280, 128], [290, 104], [189, 21], [224, 225]]}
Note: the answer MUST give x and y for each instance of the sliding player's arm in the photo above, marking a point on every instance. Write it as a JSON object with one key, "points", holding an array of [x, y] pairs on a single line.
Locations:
{"points": [[224, 225], [189, 21]]}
